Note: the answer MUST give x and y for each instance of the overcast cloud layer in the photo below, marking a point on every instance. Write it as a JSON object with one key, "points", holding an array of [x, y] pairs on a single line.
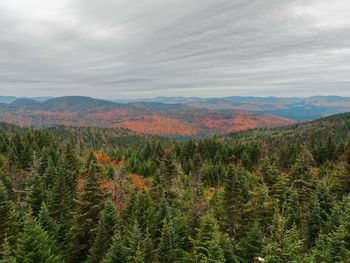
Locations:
{"points": [[133, 49]]}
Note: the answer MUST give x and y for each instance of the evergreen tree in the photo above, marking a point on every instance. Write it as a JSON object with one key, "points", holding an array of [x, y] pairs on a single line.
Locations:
{"points": [[50, 175], [250, 245], [234, 199], [134, 244], [61, 199], [292, 209], [105, 233], [6, 254], [284, 245], [209, 244], [165, 252], [169, 173], [49, 225], [34, 244], [88, 207], [319, 211], [300, 175], [216, 253], [117, 252], [330, 248], [26, 157], [314, 220], [5, 206], [143, 210], [71, 160], [162, 213], [36, 196]]}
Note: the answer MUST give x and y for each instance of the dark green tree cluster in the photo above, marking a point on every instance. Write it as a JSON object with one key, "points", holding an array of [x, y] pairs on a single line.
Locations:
{"points": [[212, 200]]}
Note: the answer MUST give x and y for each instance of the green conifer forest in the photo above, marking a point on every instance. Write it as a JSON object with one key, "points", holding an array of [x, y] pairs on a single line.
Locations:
{"points": [[267, 195]]}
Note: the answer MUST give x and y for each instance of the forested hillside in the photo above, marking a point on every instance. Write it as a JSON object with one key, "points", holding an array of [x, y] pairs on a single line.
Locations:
{"points": [[109, 195], [175, 121]]}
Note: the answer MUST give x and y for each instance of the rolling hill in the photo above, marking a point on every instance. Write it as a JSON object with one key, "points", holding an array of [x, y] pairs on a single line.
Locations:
{"points": [[317, 132], [176, 120], [299, 109]]}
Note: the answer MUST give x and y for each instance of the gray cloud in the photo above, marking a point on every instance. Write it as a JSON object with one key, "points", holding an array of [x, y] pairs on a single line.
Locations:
{"points": [[132, 49]]}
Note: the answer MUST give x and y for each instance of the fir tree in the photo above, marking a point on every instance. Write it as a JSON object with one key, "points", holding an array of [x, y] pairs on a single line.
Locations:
{"points": [[26, 157], [50, 175], [88, 207], [134, 244], [5, 207], [208, 239], [300, 175], [49, 225], [165, 252], [105, 233], [251, 244], [284, 245], [6, 254], [117, 252], [292, 209], [36, 196], [34, 244], [234, 199]]}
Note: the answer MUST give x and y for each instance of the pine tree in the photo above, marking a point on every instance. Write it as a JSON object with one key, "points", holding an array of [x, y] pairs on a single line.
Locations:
{"points": [[86, 215], [251, 244], [143, 210], [5, 207], [234, 199], [50, 175], [165, 251], [329, 248], [284, 245], [344, 226], [162, 213], [117, 252], [34, 244], [44, 161], [168, 173], [8, 184], [49, 225], [105, 233], [26, 157], [6, 254], [148, 248], [36, 196], [181, 233], [60, 199], [71, 160], [300, 175], [134, 244], [209, 244], [216, 253], [319, 211], [314, 220], [14, 224], [292, 209]]}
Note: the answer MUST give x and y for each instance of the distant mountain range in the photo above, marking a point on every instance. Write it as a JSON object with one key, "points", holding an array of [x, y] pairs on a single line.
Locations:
{"points": [[299, 109], [170, 116], [9, 99], [174, 120]]}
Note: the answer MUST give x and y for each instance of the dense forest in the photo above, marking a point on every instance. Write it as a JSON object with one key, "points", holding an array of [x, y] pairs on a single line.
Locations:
{"points": [[104, 195]]}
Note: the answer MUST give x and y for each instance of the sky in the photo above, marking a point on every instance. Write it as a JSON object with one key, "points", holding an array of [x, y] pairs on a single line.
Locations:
{"points": [[207, 48]]}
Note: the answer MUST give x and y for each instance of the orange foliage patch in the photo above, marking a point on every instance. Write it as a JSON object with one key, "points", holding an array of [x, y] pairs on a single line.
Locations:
{"points": [[108, 115], [159, 125], [54, 114], [243, 122]]}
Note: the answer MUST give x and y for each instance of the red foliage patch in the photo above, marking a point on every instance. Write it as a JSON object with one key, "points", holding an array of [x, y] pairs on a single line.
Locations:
{"points": [[159, 125]]}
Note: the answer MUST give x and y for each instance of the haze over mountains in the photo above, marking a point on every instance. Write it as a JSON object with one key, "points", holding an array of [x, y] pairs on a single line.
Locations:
{"points": [[170, 116], [299, 109]]}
